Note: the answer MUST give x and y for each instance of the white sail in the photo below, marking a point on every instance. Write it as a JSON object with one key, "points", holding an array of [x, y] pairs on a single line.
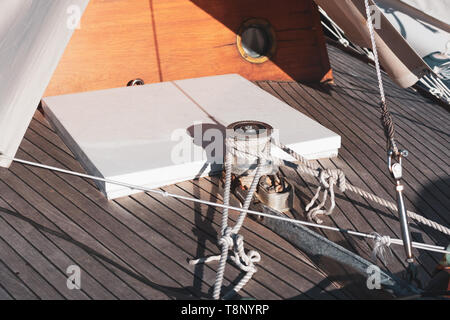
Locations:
{"points": [[438, 9], [33, 37], [398, 58], [423, 23]]}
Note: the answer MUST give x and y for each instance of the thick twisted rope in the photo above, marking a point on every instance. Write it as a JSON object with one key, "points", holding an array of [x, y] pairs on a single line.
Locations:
{"points": [[345, 186], [226, 196], [388, 204], [231, 239], [386, 117], [337, 176], [376, 199]]}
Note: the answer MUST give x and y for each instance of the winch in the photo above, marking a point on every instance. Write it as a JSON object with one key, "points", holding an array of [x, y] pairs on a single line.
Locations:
{"points": [[250, 144]]}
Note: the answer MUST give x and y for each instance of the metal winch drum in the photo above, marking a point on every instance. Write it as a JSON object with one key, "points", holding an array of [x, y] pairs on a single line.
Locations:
{"points": [[249, 139], [251, 143]]}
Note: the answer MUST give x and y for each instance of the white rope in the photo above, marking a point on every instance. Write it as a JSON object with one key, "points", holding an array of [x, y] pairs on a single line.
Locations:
{"points": [[381, 247], [436, 90], [304, 167], [439, 85], [375, 51], [231, 239], [328, 178], [443, 70], [416, 245]]}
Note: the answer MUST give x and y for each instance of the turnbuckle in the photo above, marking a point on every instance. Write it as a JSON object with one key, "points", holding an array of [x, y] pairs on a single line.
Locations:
{"points": [[396, 170]]}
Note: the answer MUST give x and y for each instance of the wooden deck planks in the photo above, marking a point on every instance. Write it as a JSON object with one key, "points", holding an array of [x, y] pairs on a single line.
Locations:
{"points": [[364, 167], [24, 271], [172, 205], [13, 287], [360, 216], [137, 247], [290, 258], [108, 233], [270, 268]]}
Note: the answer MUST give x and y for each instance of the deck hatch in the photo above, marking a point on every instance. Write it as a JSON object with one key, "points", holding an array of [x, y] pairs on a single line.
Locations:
{"points": [[159, 134]]}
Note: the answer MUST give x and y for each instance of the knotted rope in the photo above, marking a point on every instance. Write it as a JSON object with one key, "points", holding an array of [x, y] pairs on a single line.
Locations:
{"points": [[328, 179], [381, 247], [231, 239], [347, 187], [305, 166]]}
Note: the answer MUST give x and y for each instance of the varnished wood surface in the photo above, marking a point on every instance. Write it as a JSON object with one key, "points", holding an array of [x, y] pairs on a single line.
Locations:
{"points": [[136, 247], [115, 44], [160, 40]]}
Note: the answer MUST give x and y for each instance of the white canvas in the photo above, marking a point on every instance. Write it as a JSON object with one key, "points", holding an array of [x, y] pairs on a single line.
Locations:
{"points": [[33, 37]]}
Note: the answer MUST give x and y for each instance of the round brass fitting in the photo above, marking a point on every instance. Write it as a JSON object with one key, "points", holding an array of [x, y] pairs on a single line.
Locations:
{"points": [[256, 40]]}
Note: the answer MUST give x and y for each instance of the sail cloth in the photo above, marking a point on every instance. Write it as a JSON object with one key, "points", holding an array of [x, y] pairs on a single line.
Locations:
{"points": [[33, 37], [397, 57], [437, 9], [424, 24]]}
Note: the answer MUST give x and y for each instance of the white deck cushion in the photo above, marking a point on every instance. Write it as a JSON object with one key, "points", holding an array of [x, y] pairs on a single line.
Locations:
{"points": [[134, 134]]}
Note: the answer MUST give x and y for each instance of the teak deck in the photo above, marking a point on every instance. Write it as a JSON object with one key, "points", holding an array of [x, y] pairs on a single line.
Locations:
{"points": [[137, 247]]}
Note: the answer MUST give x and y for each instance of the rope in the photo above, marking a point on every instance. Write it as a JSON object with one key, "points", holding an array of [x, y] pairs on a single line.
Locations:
{"points": [[231, 239], [386, 117], [416, 245], [443, 70], [226, 196], [242, 150], [328, 178], [344, 186], [436, 87], [381, 247]]}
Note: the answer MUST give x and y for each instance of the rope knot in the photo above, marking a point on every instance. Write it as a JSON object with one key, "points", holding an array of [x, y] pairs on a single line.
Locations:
{"points": [[328, 179], [245, 261], [227, 238], [382, 247]]}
